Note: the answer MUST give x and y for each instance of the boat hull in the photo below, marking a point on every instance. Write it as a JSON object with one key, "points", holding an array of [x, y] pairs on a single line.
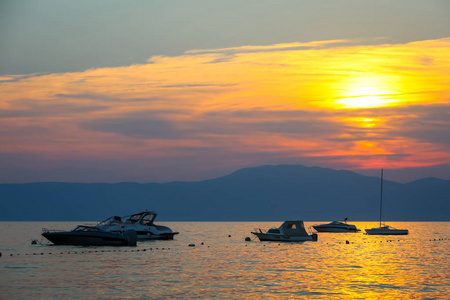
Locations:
{"points": [[77, 239], [145, 235], [334, 229], [376, 231], [284, 238]]}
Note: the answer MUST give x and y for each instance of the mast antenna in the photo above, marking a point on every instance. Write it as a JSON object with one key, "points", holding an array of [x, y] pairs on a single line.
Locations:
{"points": [[381, 196]]}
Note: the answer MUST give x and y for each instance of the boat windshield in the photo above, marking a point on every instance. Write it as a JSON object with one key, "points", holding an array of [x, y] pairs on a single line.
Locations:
{"points": [[148, 219], [111, 221], [85, 228], [133, 219]]}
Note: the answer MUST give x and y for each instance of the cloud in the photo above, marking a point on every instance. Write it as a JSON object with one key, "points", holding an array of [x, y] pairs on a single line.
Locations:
{"points": [[137, 128], [277, 47], [430, 124], [331, 103], [193, 85], [17, 78], [44, 108], [102, 97]]}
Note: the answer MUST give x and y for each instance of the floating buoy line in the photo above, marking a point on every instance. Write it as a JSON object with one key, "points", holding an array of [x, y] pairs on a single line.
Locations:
{"points": [[35, 242], [86, 251], [389, 241]]}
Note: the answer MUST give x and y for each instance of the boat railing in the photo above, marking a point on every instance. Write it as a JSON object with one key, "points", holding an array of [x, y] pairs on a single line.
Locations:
{"points": [[259, 230], [46, 230]]}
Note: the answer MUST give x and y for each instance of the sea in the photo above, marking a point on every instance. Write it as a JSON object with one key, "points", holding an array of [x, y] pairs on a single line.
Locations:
{"points": [[213, 260]]}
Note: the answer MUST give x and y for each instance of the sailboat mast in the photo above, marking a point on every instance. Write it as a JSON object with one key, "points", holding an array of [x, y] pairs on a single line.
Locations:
{"points": [[381, 196]]}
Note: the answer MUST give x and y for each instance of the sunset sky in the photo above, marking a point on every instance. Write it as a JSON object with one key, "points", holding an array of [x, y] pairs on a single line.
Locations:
{"points": [[157, 91]]}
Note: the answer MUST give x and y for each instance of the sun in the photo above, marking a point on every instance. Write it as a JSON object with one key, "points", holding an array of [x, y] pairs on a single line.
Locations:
{"points": [[366, 92], [362, 101]]}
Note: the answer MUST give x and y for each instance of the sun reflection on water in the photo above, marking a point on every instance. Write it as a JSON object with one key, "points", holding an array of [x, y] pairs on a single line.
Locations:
{"points": [[368, 267]]}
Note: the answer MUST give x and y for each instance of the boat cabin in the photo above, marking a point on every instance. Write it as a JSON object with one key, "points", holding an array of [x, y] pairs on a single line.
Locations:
{"points": [[145, 218], [294, 228]]}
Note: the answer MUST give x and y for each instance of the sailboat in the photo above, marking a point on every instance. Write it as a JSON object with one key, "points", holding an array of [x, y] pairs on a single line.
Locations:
{"points": [[384, 229]]}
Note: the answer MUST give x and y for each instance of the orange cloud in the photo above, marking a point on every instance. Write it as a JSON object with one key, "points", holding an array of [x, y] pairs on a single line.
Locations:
{"points": [[330, 102]]}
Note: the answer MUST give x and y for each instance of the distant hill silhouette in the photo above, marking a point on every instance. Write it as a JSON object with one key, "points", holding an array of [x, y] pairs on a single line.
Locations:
{"points": [[266, 193]]}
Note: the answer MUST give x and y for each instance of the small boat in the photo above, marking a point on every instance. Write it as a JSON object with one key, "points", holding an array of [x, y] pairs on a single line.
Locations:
{"points": [[289, 231], [142, 223], [336, 226], [84, 235], [384, 229]]}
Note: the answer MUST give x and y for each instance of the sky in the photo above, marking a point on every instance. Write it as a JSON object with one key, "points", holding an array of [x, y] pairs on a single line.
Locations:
{"points": [[159, 91]]}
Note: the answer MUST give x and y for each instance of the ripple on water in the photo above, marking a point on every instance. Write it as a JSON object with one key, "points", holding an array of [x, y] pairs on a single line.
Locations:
{"points": [[366, 268]]}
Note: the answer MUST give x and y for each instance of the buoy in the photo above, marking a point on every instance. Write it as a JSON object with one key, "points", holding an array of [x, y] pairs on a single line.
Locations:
{"points": [[347, 242], [247, 239], [33, 242], [229, 235], [191, 245], [202, 243]]}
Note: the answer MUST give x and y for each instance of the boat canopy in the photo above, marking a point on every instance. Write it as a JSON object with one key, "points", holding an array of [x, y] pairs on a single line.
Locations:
{"points": [[295, 228]]}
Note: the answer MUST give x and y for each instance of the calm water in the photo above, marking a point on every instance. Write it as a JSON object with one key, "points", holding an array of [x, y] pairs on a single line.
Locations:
{"points": [[370, 267]]}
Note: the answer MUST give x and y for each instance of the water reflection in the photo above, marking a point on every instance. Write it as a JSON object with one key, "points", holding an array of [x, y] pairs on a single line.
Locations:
{"points": [[368, 267]]}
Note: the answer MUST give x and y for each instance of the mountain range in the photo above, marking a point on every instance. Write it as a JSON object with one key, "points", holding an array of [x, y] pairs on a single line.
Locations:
{"points": [[266, 193]]}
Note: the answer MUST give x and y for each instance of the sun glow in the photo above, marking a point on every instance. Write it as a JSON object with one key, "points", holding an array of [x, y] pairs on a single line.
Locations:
{"points": [[367, 92]]}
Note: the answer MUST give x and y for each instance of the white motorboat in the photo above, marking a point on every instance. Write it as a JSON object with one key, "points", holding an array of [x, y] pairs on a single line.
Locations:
{"points": [[289, 231], [384, 229], [336, 226], [142, 223]]}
